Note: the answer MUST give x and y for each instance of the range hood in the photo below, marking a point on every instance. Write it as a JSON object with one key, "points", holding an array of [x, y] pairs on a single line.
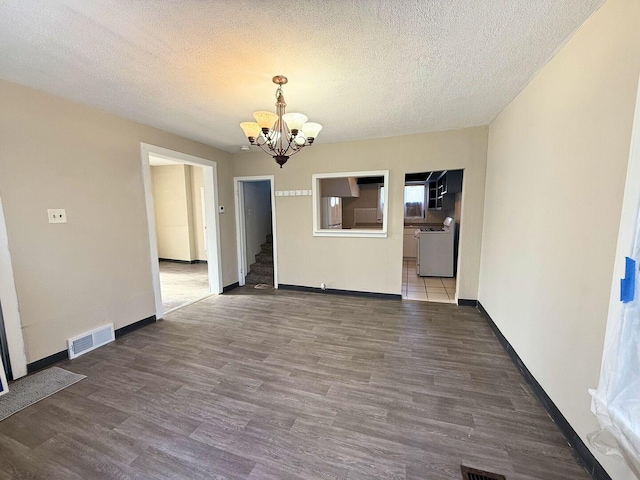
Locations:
{"points": [[339, 187]]}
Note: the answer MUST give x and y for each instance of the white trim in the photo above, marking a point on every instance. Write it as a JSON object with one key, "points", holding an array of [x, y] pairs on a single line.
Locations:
{"points": [[153, 241], [10, 308], [210, 177], [353, 232], [238, 196], [214, 254], [459, 231], [240, 225], [204, 218]]}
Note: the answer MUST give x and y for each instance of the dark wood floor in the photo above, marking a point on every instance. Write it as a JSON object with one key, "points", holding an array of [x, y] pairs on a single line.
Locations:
{"points": [[290, 385]]}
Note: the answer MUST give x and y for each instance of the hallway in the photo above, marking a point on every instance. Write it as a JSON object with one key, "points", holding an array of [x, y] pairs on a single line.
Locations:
{"points": [[182, 283]]}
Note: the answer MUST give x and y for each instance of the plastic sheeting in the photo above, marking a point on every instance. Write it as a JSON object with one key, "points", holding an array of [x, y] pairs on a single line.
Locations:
{"points": [[616, 402]]}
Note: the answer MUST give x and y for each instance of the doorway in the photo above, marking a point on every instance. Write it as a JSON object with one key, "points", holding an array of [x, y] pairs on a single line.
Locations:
{"points": [[256, 231], [180, 231], [432, 212], [182, 206]]}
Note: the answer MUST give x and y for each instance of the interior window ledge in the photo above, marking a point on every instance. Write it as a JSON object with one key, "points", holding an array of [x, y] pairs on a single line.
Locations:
{"points": [[350, 233]]}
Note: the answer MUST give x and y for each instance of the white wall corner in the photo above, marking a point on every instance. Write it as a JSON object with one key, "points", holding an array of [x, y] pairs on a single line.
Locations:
{"points": [[10, 306]]}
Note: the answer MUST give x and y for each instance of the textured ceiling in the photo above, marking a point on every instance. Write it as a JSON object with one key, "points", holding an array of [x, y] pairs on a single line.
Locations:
{"points": [[362, 68]]}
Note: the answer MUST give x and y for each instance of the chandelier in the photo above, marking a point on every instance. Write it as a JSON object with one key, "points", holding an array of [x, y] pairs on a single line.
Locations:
{"points": [[280, 134]]}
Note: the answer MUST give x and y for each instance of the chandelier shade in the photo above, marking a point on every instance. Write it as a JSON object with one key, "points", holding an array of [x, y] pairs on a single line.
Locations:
{"points": [[265, 119], [295, 120], [280, 134], [311, 130], [251, 129]]}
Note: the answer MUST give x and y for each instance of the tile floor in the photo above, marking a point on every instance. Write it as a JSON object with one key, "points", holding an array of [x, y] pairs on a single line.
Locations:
{"points": [[429, 289], [182, 283]]}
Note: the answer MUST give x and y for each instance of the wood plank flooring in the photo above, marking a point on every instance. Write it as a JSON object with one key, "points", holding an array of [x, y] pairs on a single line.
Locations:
{"points": [[286, 385]]}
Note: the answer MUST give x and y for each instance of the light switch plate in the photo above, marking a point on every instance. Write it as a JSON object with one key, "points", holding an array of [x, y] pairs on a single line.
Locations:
{"points": [[57, 215]]}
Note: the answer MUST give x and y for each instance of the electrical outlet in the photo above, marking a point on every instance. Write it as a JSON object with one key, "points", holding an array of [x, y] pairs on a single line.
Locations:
{"points": [[57, 215]]}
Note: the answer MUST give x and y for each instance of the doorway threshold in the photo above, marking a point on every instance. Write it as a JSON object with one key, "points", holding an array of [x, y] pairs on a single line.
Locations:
{"points": [[186, 304]]}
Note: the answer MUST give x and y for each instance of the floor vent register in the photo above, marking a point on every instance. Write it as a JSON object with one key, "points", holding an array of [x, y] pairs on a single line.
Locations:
{"points": [[473, 474]]}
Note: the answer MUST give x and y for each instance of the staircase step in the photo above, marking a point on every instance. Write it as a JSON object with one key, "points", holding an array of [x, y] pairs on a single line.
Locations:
{"points": [[261, 268], [264, 257]]}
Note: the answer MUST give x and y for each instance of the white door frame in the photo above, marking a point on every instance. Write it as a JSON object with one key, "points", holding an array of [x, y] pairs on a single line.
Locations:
{"points": [[210, 176], [10, 309], [203, 203], [241, 237]]}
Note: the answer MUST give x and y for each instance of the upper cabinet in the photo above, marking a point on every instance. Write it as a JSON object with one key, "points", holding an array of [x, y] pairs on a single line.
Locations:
{"points": [[454, 181], [442, 189]]}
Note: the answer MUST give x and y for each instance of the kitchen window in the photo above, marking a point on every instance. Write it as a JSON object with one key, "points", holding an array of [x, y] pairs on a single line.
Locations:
{"points": [[414, 201]]}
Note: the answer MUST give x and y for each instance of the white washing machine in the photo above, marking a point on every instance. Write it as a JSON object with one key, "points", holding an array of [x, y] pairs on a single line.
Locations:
{"points": [[436, 250]]}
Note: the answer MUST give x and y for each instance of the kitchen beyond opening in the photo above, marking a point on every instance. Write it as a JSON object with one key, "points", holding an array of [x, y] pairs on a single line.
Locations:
{"points": [[432, 213], [350, 204]]}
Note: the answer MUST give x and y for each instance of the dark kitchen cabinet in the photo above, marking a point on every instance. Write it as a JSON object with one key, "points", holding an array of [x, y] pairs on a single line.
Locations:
{"points": [[442, 190]]}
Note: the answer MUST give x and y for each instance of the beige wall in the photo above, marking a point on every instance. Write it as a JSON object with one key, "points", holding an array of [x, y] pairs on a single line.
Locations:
{"points": [[556, 169], [95, 269], [178, 211], [371, 264], [172, 199]]}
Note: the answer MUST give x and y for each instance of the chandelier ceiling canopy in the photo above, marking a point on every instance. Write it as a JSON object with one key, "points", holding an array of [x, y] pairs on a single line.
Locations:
{"points": [[280, 134]]}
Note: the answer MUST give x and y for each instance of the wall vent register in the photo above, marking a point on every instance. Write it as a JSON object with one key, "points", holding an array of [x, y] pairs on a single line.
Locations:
{"points": [[88, 341]]}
